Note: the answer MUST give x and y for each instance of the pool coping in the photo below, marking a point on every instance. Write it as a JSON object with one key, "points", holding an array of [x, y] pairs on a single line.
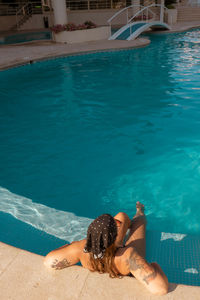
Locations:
{"points": [[23, 276], [35, 51]]}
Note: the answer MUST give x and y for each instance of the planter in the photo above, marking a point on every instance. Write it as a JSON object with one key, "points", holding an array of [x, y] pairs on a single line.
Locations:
{"points": [[171, 16], [85, 35]]}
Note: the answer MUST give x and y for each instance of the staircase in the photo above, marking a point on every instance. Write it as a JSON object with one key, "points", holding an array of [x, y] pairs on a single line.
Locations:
{"points": [[188, 14], [24, 14], [188, 10]]}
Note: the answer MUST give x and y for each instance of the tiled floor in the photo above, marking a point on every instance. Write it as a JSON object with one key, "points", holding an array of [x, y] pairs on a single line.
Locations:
{"points": [[23, 276]]}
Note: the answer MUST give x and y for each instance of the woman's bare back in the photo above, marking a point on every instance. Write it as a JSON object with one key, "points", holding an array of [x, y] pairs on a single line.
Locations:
{"points": [[118, 260]]}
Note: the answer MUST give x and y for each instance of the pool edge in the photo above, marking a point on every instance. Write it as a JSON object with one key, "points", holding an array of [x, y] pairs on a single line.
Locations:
{"points": [[36, 282], [64, 50]]}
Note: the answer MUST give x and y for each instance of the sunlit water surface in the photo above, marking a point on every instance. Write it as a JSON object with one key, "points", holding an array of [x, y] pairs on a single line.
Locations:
{"points": [[96, 133]]}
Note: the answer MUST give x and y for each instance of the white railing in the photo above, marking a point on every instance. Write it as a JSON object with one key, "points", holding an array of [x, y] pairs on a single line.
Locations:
{"points": [[143, 14], [126, 10], [24, 13], [10, 9], [94, 4], [188, 3], [193, 3]]}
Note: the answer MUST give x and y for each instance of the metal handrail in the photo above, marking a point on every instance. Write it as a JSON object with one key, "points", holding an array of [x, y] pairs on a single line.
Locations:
{"points": [[123, 10], [130, 21], [23, 12], [193, 3], [148, 9], [141, 11], [92, 4], [138, 12], [10, 9]]}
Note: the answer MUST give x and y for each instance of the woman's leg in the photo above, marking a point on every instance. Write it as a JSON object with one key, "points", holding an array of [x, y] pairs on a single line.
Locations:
{"points": [[137, 238], [123, 224]]}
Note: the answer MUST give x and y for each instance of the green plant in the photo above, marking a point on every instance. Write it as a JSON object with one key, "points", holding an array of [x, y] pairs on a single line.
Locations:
{"points": [[90, 24], [169, 3]]}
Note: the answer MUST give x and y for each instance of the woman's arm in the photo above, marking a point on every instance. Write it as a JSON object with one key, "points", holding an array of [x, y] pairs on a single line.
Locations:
{"points": [[150, 275], [64, 256]]}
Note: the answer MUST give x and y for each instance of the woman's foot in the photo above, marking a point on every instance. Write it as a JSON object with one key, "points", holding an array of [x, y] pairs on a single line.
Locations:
{"points": [[139, 209], [136, 236], [139, 214]]}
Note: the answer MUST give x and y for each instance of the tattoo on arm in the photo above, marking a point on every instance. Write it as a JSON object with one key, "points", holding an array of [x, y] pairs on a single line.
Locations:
{"points": [[149, 277], [58, 265], [138, 263]]}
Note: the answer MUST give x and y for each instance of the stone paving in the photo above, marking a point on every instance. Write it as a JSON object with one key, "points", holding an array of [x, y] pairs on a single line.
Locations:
{"points": [[21, 54], [23, 276]]}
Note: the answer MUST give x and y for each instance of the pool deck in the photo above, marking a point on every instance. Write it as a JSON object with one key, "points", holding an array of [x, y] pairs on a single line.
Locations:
{"points": [[19, 54], [34, 51], [23, 276]]}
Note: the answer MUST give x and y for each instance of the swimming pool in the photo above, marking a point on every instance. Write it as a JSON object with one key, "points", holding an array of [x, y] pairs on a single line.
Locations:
{"points": [[25, 37], [95, 133]]}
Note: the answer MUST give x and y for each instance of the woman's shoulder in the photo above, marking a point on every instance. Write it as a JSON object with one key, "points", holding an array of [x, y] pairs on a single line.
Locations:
{"points": [[78, 246], [84, 257]]}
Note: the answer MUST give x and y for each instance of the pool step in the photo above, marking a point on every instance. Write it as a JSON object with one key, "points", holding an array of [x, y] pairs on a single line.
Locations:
{"points": [[188, 14]]}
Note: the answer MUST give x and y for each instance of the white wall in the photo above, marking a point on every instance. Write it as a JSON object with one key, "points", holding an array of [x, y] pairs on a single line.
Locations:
{"points": [[78, 36], [99, 17], [59, 11]]}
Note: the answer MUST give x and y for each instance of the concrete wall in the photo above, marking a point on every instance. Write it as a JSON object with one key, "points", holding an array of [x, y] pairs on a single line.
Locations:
{"points": [[6, 22], [78, 36], [36, 22], [98, 16], [171, 16]]}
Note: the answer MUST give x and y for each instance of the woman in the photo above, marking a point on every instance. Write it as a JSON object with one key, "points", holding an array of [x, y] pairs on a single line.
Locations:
{"points": [[103, 251]]}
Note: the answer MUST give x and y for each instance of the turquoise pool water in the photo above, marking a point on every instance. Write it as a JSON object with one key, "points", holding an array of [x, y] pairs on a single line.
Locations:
{"points": [[25, 37], [95, 133]]}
